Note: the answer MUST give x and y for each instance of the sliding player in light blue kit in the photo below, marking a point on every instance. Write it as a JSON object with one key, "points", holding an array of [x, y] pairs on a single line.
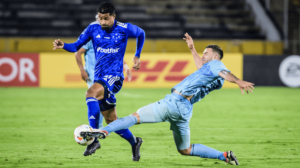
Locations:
{"points": [[177, 107], [109, 39]]}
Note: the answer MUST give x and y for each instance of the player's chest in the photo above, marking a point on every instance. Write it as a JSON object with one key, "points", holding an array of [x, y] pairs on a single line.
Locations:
{"points": [[115, 38]]}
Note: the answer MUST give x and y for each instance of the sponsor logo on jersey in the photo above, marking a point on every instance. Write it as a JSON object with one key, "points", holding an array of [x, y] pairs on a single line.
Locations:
{"points": [[98, 36], [108, 50]]}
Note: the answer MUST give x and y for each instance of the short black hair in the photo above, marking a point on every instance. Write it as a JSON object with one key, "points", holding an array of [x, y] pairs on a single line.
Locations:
{"points": [[106, 7], [216, 49]]}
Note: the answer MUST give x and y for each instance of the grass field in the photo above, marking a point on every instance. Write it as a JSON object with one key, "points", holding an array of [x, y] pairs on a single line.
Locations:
{"points": [[37, 124]]}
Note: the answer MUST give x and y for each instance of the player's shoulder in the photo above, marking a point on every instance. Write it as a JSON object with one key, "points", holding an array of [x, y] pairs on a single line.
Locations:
{"points": [[95, 23], [122, 25], [216, 63]]}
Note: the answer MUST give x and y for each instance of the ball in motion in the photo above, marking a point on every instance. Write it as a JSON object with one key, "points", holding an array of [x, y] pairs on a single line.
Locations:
{"points": [[79, 139]]}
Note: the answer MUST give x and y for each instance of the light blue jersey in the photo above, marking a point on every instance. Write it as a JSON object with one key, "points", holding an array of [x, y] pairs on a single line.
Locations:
{"points": [[90, 61], [202, 81]]}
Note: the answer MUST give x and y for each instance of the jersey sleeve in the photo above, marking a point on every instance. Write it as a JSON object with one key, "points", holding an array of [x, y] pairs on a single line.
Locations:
{"points": [[217, 67], [138, 33], [82, 39]]}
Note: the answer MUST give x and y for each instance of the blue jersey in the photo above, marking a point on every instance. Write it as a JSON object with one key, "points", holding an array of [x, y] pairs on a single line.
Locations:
{"points": [[202, 81], [109, 46]]}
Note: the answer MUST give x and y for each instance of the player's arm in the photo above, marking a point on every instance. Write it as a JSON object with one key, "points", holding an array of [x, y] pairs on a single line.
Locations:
{"points": [[140, 35], [84, 74], [190, 42], [233, 79], [127, 70], [73, 47]]}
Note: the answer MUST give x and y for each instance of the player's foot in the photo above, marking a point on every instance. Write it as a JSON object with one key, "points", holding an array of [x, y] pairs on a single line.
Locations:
{"points": [[96, 133], [136, 149], [230, 158], [90, 149]]}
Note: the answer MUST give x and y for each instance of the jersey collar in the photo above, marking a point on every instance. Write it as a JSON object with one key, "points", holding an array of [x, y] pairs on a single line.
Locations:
{"points": [[115, 24]]}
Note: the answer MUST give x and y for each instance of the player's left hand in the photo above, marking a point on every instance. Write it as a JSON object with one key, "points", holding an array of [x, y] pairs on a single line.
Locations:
{"points": [[137, 63], [245, 85]]}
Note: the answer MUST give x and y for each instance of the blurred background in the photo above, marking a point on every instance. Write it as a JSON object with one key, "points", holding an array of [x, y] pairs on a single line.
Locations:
{"points": [[262, 32]]}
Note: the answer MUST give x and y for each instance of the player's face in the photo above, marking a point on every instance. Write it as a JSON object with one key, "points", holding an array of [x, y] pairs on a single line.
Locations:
{"points": [[106, 20], [208, 55]]}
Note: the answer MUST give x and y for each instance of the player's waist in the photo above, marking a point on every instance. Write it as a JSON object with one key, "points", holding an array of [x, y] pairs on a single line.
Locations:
{"points": [[186, 97]]}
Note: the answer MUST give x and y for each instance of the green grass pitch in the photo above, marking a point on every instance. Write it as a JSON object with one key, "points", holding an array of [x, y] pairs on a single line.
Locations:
{"points": [[262, 128]]}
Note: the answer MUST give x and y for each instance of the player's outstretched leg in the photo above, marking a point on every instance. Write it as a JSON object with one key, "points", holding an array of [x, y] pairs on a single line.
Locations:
{"points": [[206, 152]]}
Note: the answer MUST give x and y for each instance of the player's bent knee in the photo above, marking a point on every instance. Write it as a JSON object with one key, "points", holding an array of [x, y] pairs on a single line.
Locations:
{"points": [[185, 151], [109, 120], [137, 117], [96, 91]]}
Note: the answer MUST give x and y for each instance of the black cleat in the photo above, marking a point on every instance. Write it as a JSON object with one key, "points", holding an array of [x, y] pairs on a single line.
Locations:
{"points": [[231, 158], [95, 134], [136, 149], [90, 149]]}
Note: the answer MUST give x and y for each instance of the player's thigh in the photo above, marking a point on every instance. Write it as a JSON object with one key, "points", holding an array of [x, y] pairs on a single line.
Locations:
{"points": [[182, 143], [110, 115], [152, 113], [96, 91]]}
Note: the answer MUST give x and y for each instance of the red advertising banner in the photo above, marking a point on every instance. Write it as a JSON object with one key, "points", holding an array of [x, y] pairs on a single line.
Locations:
{"points": [[19, 69]]}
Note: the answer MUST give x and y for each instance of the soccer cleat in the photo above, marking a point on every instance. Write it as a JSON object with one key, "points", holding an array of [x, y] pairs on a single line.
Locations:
{"points": [[136, 149], [90, 149], [230, 158], [96, 133]]}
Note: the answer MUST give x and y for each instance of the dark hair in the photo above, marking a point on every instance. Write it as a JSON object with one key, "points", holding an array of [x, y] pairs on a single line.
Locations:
{"points": [[216, 49], [106, 7]]}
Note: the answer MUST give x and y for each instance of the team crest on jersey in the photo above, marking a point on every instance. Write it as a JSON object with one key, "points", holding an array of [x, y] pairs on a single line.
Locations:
{"points": [[122, 24]]}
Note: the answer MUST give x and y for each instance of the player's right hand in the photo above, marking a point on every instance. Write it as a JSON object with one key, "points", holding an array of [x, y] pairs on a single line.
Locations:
{"points": [[189, 41], [58, 44], [245, 85], [85, 76]]}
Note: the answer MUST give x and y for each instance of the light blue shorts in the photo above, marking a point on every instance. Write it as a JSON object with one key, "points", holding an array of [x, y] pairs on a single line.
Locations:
{"points": [[91, 77], [174, 109]]}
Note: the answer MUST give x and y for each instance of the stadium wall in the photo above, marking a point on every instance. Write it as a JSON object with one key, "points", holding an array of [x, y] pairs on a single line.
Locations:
{"points": [[158, 70], [247, 47], [59, 70]]}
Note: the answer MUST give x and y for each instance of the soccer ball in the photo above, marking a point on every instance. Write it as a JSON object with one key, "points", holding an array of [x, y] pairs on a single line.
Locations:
{"points": [[79, 139]]}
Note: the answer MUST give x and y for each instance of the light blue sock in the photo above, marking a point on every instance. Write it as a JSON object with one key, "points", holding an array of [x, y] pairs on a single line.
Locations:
{"points": [[120, 124], [93, 112], [100, 116], [206, 152]]}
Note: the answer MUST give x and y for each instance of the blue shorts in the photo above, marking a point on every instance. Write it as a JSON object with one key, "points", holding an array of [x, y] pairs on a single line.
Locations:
{"points": [[174, 109], [112, 84]]}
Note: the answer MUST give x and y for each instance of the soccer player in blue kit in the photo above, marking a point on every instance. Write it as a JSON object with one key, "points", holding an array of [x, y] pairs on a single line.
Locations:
{"points": [[177, 107], [109, 39], [87, 71]]}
